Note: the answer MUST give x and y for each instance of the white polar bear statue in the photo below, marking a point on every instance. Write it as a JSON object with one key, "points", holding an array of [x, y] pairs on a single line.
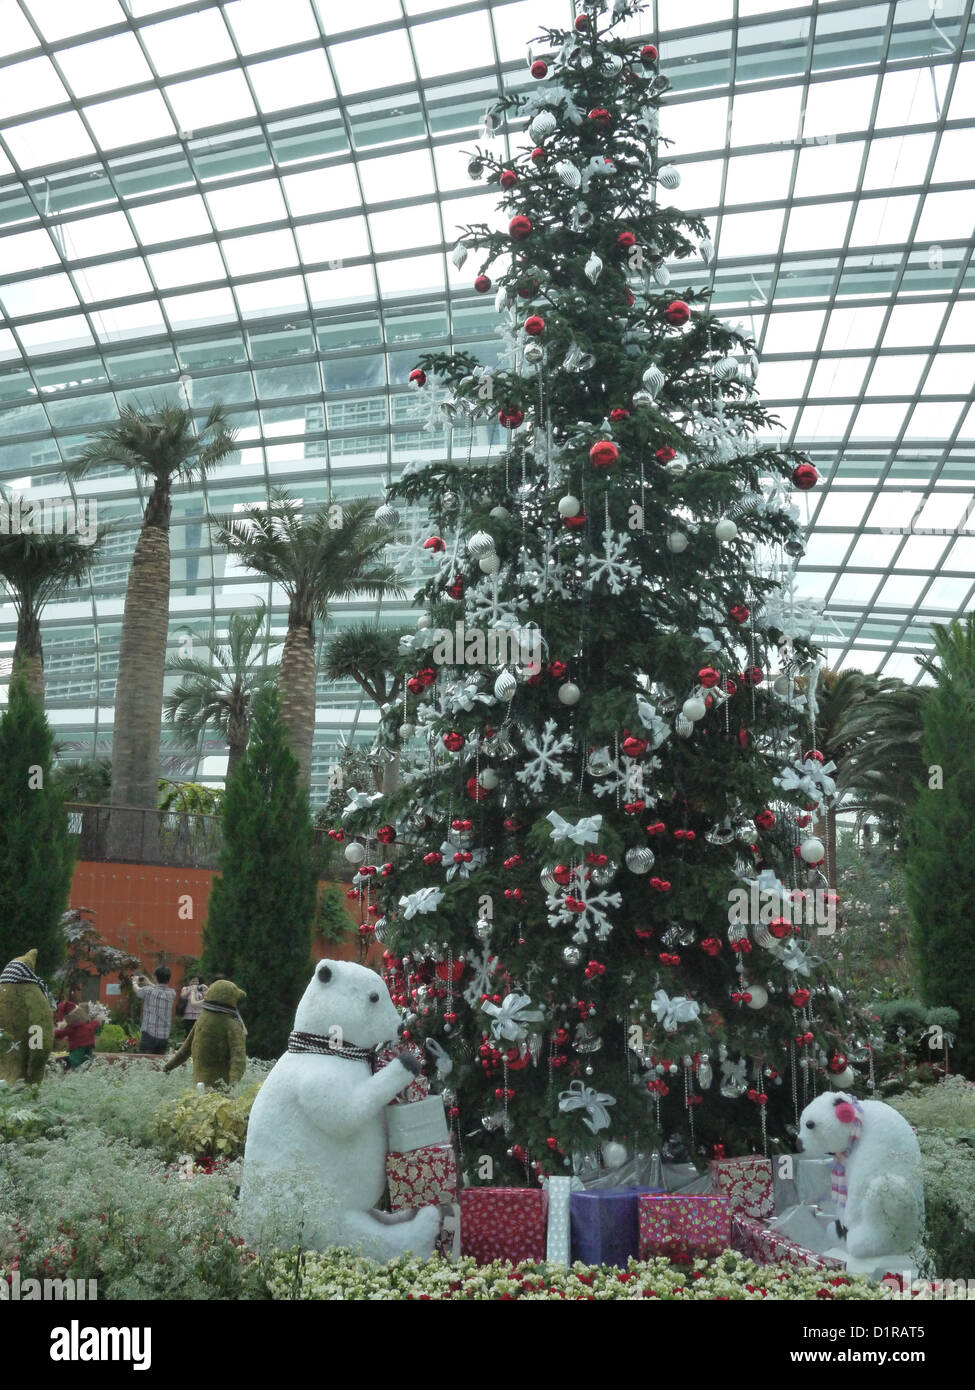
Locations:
{"points": [[877, 1182], [315, 1157]]}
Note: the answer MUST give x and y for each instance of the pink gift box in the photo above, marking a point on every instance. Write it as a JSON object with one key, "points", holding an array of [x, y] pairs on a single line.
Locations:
{"points": [[423, 1177], [503, 1223], [765, 1245], [747, 1183], [419, 1087], [683, 1226]]}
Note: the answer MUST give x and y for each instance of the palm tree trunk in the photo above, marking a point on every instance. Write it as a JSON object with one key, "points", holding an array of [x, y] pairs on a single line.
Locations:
{"points": [[238, 729], [296, 683], [29, 655], [139, 693]]}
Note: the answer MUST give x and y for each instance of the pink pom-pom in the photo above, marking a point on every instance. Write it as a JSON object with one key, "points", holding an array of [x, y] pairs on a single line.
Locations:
{"points": [[845, 1113]]}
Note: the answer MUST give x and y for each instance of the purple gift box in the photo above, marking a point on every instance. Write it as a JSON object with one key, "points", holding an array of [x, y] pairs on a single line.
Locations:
{"points": [[606, 1225]]}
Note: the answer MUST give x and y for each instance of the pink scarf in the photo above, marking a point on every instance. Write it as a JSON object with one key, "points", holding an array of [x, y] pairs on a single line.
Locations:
{"points": [[838, 1175]]}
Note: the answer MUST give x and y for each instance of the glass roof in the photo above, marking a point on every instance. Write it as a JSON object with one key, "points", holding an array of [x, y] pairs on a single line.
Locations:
{"points": [[253, 202]]}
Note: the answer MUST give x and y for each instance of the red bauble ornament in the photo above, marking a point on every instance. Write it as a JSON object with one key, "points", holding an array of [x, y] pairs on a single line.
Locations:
{"points": [[427, 677], [837, 1063], [753, 676], [765, 819], [508, 178], [708, 677], [386, 834], [535, 326], [626, 240], [414, 686], [711, 945], [634, 747], [453, 741], [742, 738], [451, 972], [648, 54], [562, 873], [628, 298], [805, 477], [434, 857], [557, 670], [474, 789], [418, 377], [665, 454], [581, 22], [520, 227], [813, 756], [600, 115], [603, 454], [618, 413], [482, 284], [434, 543], [538, 155], [575, 523], [677, 312], [739, 612], [510, 419], [780, 928], [538, 69], [528, 290], [800, 998]]}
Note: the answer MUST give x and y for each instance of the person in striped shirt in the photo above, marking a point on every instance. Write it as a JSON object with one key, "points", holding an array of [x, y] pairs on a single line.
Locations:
{"points": [[157, 1009]]}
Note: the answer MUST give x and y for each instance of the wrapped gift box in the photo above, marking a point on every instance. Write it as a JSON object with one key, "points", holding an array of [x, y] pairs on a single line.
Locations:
{"points": [[606, 1225], [417, 1125], [558, 1234], [423, 1177], [419, 1087], [765, 1245], [684, 1225], [503, 1223], [747, 1183]]}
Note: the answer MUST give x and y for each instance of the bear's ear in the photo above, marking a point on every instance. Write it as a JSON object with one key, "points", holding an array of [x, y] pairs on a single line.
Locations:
{"points": [[324, 974], [840, 1100]]}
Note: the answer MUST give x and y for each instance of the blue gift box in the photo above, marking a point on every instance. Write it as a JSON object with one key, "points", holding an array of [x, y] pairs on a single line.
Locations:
{"points": [[606, 1225]]}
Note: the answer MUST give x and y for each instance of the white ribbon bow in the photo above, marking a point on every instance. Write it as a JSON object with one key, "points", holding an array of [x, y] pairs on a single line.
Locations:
{"points": [[359, 801], [671, 1013], [651, 720], [441, 1061], [463, 697], [794, 957], [584, 832], [705, 636], [579, 1096], [512, 1016], [426, 900]]}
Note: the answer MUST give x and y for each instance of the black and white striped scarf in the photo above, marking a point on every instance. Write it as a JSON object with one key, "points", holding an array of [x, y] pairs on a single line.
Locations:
{"points": [[318, 1042], [17, 973], [226, 1009]]}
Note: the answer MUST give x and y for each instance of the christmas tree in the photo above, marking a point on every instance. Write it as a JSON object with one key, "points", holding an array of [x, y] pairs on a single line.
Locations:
{"points": [[593, 914]]}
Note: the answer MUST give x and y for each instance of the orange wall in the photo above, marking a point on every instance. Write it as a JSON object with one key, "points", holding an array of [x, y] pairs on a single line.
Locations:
{"points": [[147, 909]]}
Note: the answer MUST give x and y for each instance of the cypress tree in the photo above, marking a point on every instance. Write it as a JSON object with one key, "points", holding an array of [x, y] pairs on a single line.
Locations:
{"points": [[259, 923], [36, 850]]}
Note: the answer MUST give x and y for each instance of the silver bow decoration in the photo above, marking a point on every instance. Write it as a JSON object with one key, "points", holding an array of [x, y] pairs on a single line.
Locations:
{"points": [[441, 1060], [426, 900], [512, 1016], [584, 832], [579, 1096], [671, 1013], [464, 868], [811, 778], [464, 697], [651, 720], [414, 642], [795, 957], [359, 801], [705, 636]]}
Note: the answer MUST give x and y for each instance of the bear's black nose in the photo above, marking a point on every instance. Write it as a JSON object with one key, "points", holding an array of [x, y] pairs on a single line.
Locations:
{"points": [[374, 998], [810, 1124]]}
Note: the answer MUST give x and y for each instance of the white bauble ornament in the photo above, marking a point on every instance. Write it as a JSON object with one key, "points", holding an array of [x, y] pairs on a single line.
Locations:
{"points": [[489, 564], [706, 248], [614, 1155], [759, 996], [354, 853], [533, 353], [694, 708], [677, 542], [669, 177], [543, 125], [843, 1080], [499, 513], [639, 860], [423, 621], [725, 529], [459, 255], [547, 881], [612, 64], [726, 369], [642, 398], [569, 694], [481, 543], [661, 274], [569, 506], [568, 174], [593, 267], [683, 727], [571, 955], [653, 378], [488, 779], [407, 730], [387, 515], [505, 686], [812, 850]]}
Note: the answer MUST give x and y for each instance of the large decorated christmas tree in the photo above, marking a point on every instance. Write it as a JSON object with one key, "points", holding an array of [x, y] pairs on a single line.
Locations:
{"points": [[594, 918]]}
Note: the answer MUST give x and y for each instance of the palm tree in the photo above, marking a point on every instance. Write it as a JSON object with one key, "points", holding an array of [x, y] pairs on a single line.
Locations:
{"points": [[161, 448], [219, 692], [35, 571], [369, 655], [882, 760], [315, 561]]}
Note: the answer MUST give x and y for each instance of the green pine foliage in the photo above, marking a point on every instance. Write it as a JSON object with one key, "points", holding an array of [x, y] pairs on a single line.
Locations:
{"points": [[36, 850], [621, 424], [262, 907], [940, 856]]}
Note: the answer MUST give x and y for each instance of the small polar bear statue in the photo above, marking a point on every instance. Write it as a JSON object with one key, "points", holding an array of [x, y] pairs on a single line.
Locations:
{"points": [[876, 1179], [315, 1157]]}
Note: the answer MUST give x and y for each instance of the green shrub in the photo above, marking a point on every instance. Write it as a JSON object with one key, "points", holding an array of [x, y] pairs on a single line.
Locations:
{"points": [[204, 1124], [949, 1201], [948, 1107], [25, 1113], [111, 1038], [908, 1014]]}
